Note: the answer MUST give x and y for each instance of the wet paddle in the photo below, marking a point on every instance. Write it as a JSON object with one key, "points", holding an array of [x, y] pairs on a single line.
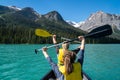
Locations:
{"points": [[98, 32]]}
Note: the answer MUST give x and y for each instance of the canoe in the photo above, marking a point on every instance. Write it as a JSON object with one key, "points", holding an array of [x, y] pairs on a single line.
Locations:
{"points": [[50, 76]]}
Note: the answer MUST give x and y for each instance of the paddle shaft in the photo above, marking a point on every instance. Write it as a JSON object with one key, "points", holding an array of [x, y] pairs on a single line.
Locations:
{"points": [[66, 39], [50, 46]]}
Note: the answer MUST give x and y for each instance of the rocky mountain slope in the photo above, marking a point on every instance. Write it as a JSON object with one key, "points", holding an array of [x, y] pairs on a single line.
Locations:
{"points": [[21, 24], [101, 18]]}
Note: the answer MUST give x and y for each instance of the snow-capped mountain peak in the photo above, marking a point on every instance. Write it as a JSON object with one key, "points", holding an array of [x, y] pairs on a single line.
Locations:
{"points": [[75, 24], [14, 7], [98, 14]]}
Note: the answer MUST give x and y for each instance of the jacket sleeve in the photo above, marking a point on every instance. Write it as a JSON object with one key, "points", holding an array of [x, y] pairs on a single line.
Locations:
{"points": [[80, 57]]}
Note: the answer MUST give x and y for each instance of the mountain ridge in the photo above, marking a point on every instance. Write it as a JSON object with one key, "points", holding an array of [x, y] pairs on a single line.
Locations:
{"points": [[23, 22], [101, 18]]}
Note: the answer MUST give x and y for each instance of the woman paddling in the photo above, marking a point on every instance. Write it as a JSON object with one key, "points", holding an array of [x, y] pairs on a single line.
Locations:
{"points": [[70, 70]]}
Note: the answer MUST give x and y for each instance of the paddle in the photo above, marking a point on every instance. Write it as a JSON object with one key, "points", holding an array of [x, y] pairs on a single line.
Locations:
{"points": [[95, 33], [42, 33], [98, 32]]}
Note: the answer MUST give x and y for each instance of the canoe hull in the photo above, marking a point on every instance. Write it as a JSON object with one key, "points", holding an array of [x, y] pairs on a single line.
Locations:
{"points": [[51, 75]]}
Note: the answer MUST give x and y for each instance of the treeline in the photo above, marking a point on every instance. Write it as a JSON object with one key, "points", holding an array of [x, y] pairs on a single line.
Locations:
{"points": [[24, 35], [16, 35], [103, 40]]}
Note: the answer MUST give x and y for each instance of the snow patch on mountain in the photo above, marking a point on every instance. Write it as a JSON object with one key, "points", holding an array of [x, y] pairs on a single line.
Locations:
{"points": [[75, 24], [14, 7]]}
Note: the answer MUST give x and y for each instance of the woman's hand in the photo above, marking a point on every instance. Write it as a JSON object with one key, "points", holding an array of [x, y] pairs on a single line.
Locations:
{"points": [[44, 49], [54, 39], [54, 36], [81, 38]]}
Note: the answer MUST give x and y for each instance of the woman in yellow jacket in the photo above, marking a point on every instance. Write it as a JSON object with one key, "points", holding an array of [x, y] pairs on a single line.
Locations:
{"points": [[70, 70]]}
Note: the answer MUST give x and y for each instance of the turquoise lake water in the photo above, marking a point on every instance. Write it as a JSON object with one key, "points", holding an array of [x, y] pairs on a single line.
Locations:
{"points": [[19, 62]]}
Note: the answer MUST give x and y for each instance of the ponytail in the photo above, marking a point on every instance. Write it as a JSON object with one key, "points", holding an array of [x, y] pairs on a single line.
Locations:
{"points": [[69, 58]]}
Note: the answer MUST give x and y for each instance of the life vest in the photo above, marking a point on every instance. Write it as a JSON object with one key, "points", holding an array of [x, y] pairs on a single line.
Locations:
{"points": [[60, 57], [75, 75]]}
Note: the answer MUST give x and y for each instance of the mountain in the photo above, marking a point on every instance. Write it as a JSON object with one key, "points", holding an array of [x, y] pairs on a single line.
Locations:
{"points": [[53, 16], [101, 18], [18, 25], [28, 13], [5, 9]]}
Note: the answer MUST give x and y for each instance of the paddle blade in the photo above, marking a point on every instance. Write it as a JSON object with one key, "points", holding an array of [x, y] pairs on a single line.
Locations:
{"points": [[101, 31], [42, 33]]}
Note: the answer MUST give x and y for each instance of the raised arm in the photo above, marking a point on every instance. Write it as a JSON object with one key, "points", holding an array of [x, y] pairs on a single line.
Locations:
{"points": [[81, 46], [44, 50], [81, 52], [55, 42], [52, 64], [54, 39], [48, 58], [82, 39]]}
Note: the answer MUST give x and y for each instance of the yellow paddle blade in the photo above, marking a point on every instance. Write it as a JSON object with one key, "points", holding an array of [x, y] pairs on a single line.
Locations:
{"points": [[42, 33]]}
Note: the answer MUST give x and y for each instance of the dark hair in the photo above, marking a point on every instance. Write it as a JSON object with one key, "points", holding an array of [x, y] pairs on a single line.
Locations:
{"points": [[69, 58]]}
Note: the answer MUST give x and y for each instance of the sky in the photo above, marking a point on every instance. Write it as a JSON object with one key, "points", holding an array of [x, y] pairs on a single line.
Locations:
{"points": [[73, 10]]}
